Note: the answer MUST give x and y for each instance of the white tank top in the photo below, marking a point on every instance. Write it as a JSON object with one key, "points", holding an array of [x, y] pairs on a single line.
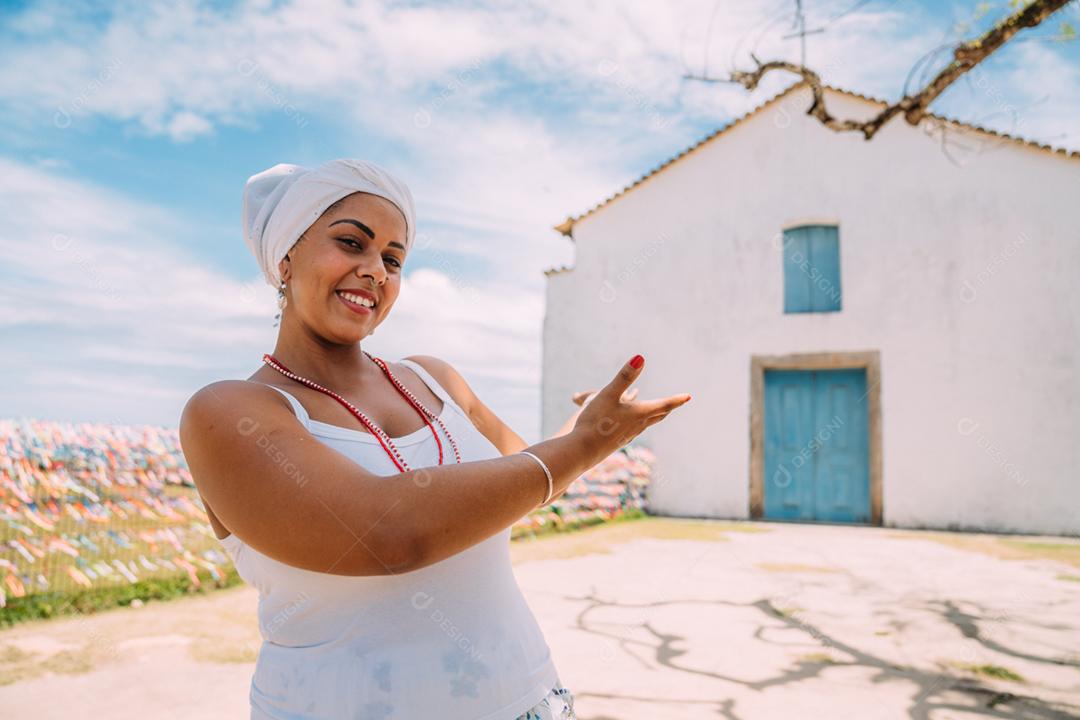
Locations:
{"points": [[454, 640]]}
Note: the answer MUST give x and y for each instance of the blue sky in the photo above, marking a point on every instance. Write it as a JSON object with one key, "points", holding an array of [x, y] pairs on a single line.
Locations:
{"points": [[127, 130]]}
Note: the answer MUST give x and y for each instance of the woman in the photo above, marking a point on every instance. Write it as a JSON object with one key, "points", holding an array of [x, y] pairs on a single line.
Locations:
{"points": [[371, 502]]}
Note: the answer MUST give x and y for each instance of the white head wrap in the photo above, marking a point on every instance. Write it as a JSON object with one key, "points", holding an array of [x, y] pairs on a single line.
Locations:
{"points": [[282, 202]]}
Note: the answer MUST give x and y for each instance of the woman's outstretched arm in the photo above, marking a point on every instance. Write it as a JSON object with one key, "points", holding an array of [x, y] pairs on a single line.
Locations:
{"points": [[299, 501], [295, 499]]}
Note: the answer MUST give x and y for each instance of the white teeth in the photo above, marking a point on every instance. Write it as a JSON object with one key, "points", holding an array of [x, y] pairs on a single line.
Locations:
{"points": [[357, 299]]}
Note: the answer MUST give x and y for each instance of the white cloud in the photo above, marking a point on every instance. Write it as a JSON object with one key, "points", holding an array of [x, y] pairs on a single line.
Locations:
{"points": [[185, 126]]}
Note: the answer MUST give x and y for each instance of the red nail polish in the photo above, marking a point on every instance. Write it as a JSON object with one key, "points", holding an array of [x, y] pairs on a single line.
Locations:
{"points": [[636, 361]]}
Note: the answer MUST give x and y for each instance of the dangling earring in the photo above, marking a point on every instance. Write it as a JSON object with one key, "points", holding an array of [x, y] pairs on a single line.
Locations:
{"points": [[282, 301]]}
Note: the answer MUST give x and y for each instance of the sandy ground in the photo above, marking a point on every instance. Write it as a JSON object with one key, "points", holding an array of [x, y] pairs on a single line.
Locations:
{"points": [[663, 618]]}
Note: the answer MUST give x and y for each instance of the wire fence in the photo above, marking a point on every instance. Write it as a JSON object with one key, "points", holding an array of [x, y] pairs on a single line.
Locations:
{"points": [[96, 506], [92, 505]]}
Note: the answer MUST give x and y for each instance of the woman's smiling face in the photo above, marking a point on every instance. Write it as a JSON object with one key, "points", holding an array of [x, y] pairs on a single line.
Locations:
{"points": [[352, 254]]}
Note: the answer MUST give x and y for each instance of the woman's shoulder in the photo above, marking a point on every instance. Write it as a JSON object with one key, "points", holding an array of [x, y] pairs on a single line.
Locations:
{"points": [[233, 388], [222, 398]]}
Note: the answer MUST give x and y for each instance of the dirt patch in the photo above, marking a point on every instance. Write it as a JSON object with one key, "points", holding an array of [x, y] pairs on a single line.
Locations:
{"points": [[796, 568], [17, 664], [599, 539], [70, 662], [1064, 550], [208, 649]]}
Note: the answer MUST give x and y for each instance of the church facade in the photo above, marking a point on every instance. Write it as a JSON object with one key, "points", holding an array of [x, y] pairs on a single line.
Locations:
{"points": [[876, 332]]}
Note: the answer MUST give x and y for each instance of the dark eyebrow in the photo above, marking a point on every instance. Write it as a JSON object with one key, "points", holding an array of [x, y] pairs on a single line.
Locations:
{"points": [[357, 223], [365, 228]]}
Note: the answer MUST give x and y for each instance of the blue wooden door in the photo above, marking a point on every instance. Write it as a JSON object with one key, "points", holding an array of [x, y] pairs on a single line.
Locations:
{"points": [[816, 446]]}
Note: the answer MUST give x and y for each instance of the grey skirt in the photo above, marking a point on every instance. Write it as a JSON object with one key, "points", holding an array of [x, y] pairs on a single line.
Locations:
{"points": [[558, 704]]}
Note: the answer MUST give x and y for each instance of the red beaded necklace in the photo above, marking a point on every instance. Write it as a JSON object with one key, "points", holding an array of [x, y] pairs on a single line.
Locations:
{"points": [[380, 435]]}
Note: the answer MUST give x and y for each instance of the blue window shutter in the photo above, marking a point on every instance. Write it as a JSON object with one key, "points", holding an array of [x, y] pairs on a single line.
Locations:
{"points": [[825, 270], [812, 269], [796, 281]]}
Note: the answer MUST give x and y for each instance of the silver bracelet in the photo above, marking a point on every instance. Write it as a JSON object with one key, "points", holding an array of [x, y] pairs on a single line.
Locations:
{"points": [[551, 481]]}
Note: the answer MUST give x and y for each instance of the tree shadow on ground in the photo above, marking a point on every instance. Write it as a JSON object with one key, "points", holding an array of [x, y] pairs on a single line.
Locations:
{"points": [[932, 692], [968, 625]]}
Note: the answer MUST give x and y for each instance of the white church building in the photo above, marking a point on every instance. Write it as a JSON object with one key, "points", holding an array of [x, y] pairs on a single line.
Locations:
{"points": [[879, 332]]}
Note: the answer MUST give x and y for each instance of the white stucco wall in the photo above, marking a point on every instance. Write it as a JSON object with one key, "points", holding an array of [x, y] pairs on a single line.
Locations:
{"points": [[965, 278]]}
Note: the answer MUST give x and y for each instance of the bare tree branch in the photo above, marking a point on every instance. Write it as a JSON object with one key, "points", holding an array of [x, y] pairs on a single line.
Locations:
{"points": [[913, 107]]}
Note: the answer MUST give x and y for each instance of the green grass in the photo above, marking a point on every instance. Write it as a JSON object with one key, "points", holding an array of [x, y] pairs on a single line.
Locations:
{"points": [[996, 672], [787, 612], [1001, 546], [40, 606], [551, 528], [1062, 551], [818, 658]]}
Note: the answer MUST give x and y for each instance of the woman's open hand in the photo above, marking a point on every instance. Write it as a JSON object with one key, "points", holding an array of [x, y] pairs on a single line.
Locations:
{"points": [[610, 418], [582, 398]]}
